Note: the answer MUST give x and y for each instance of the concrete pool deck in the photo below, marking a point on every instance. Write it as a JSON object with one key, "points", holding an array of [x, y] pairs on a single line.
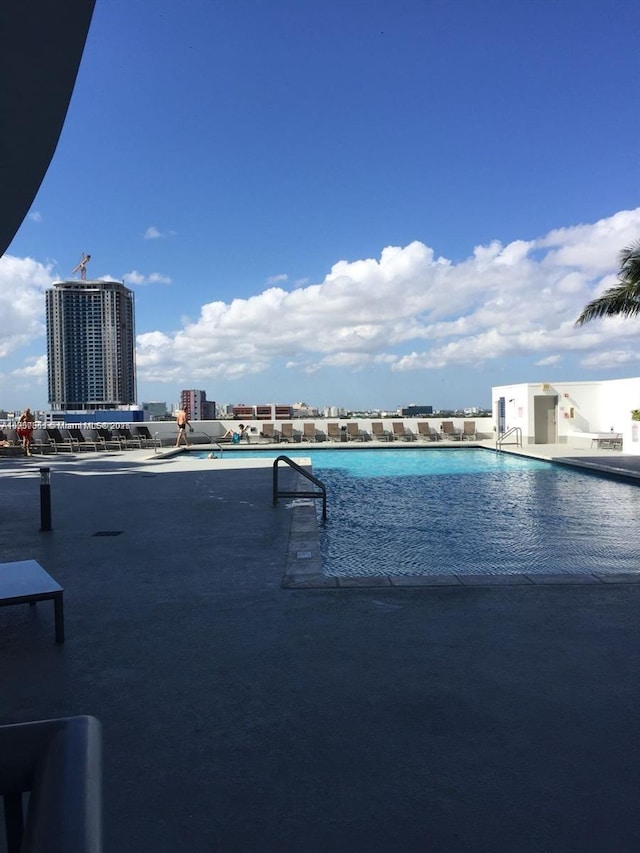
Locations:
{"points": [[241, 716]]}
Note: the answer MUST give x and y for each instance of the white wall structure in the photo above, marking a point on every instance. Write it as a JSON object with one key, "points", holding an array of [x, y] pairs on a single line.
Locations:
{"points": [[203, 430], [574, 413]]}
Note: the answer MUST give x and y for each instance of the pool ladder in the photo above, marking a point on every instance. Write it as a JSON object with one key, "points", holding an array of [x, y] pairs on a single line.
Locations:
{"points": [[277, 493], [213, 442], [516, 431]]}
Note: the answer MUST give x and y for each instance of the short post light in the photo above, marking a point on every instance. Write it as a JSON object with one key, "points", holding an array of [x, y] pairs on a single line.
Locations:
{"points": [[45, 500]]}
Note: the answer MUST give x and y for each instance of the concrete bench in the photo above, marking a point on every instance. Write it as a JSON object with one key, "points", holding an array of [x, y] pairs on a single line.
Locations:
{"points": [[26, 582]]}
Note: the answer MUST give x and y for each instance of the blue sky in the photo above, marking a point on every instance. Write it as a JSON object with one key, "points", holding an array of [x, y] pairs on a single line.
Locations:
{"points": [[350, 203]]}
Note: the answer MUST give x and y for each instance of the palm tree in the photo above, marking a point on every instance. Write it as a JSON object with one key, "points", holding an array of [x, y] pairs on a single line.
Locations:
{"points": [[624, 298]]}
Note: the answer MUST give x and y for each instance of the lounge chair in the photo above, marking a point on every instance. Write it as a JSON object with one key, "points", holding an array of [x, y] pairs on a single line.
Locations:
{"points": [[60, 442], [426, 433], [469, 431], [400, 431], [9, 444], [333, 432], [269, 432], [450, 432], [39, 441], [289, 433], [354, 433], [127, 437], [80, 440], [310, 433], [379, 433], [148, 440], [109, 440]]}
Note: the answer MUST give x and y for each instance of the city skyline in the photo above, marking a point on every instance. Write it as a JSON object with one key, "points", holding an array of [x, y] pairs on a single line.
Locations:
{"points": [[363, 204]]}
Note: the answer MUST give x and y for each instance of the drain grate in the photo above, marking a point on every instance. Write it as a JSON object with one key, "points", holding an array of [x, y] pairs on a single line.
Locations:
{"points": [[107, 533]]}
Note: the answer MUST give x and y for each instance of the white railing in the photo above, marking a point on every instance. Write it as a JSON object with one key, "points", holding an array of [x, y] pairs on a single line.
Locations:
{"points": [[516, 432]]}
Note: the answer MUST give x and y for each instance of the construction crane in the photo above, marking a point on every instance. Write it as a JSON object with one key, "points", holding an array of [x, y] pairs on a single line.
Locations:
{"points": [[82, 266]]}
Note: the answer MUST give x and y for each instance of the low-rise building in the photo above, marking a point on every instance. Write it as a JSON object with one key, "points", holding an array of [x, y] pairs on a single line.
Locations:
{"points": [[579, 413]]}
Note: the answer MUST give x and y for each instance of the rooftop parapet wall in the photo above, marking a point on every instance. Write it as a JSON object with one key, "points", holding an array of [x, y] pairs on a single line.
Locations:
{"points": [[166, 430]]}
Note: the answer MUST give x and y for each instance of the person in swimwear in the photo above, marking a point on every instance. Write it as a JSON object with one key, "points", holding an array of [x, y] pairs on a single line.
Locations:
{"points": [[182, 421], [236, 436], [25, 430]]}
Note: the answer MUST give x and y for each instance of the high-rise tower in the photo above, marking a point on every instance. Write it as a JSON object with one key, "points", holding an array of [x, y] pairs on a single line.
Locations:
{"points": [[90, 345]]}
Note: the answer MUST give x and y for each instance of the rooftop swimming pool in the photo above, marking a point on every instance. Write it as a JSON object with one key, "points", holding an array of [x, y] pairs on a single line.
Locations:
{"points": [[471, 511]]}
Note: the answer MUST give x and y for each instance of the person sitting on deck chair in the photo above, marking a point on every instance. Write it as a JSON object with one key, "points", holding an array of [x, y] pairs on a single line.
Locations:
{"points": [[236, 436]]}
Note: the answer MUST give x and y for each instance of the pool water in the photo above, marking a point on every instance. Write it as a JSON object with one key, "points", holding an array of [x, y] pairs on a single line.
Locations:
{"points": [[472, 511]]}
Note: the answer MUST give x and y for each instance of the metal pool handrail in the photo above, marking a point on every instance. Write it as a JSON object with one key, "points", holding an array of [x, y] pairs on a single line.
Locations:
{"points": [[212, 441], [280, 494], [514, 430]]}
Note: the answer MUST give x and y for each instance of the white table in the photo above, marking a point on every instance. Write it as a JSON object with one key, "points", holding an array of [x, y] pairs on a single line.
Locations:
{"points": [[26, 582], [601, 440]]}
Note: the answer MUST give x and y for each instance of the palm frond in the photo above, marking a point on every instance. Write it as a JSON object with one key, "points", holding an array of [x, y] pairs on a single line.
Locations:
{"points": [[623, 299], [630, 264]]}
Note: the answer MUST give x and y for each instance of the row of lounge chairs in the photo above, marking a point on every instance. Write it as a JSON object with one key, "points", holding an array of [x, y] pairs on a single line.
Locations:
{"points": [[351, 431], [74, 440]]}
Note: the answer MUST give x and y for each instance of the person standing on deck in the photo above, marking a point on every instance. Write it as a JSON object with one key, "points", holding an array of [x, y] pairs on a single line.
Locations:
{"points": [[182, 420], [25, 430]]}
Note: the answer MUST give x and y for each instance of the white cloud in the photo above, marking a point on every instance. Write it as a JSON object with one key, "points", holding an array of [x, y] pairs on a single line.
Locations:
{"points": [[35, 368], [276, 279], [35, 216], [505, 300], [153, 233], [407, 310], [589, 247], [22, 285], [549, 361], [137, 278], [610, 358]]}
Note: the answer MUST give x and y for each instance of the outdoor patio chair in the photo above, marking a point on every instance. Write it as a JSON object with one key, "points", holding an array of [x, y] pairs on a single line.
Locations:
{"points": [[127, 437], [288, 433], [310, 433], [333, 432], [609, 441], [109, 440], [39, 441], [469, 431], [379, 433], [58, 762], [400, 431], [9, 444], [148, 440], [269, 432], [59, 442], [426, 433], [354, 433], [81, 442], [449, 431]]}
